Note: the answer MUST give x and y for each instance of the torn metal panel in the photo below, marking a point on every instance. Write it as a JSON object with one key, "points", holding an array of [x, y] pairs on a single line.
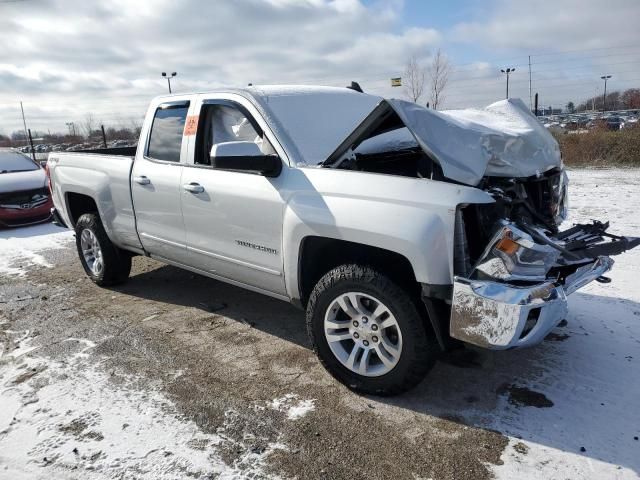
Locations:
{"points": [[502, 140]]}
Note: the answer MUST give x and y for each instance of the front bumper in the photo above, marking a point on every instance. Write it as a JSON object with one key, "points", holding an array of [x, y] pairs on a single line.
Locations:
{"points": [[500, 316], [22, 217]]}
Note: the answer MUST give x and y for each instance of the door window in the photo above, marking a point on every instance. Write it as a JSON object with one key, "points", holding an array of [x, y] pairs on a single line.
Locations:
{"points": [[227, 123], [165, 139]]}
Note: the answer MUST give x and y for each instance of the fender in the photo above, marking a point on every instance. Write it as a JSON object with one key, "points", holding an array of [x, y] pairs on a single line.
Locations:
{"points": [[413, 217]]}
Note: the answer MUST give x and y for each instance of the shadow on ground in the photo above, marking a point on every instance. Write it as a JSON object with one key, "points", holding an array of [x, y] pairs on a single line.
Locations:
{"points": [[577, 391]]}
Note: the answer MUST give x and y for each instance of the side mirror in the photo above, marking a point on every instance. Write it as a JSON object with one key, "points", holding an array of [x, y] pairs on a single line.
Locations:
{"points": [[245, 157]]}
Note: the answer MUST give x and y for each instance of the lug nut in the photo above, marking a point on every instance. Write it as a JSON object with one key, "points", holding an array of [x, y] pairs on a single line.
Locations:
{"points": [[374, 338], [365, 319], [355, 323], [365, 343], [374, 327], [355, 335]]}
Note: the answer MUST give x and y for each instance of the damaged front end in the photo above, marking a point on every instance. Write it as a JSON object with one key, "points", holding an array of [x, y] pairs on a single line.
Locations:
{"points": [[514, 291]]}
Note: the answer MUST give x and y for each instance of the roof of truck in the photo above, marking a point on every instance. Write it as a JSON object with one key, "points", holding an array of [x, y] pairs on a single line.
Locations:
{"points": [[277, 90], [313, 120]]}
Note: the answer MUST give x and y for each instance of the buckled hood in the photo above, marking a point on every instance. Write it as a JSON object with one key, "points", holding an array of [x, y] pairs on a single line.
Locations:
{"points": [[502, 140]]}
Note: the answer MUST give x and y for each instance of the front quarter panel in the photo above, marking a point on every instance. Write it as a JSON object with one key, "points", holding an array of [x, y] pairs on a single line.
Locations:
{"points": [[409, 216]]}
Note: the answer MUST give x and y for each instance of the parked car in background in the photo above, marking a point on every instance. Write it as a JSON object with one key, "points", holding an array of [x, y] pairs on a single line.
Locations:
{"points": [[613, 123], [24, 194]]}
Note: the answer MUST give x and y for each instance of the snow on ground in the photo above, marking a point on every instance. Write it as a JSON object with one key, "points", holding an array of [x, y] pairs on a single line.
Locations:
{"points": [[72, 412], [592, 376], [21, 247], [293, 407], [68, 415]]}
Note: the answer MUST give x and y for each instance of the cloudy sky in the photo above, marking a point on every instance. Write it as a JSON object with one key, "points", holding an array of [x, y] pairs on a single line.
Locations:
{"points": [[67, 58]]}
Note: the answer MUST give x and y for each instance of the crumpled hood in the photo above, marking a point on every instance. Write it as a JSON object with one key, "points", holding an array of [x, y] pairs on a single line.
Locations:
{"points": [[19, 181], [502, 140]]}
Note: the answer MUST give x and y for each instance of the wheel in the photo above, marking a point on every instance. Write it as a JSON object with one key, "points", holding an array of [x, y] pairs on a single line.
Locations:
{"points": [[104, 263], [368, 332]]}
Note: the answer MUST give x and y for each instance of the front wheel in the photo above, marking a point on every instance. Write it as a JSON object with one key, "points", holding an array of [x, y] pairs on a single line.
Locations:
{"points": [[104, 263], [367, 331]]}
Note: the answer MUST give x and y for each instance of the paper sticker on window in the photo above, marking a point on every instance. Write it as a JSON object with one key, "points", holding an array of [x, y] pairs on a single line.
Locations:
{"points": [[191, 125]]}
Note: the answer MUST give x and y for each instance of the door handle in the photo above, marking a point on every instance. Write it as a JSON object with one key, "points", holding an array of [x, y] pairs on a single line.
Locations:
{"points": [[193, 187], [142, 180]]}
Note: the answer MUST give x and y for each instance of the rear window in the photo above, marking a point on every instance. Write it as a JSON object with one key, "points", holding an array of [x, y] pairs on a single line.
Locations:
{"points": [[165, 140], [11, 161]]}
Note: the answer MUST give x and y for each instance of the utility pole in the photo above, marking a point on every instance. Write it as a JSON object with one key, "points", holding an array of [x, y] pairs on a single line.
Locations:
{"points": [[529, 82], [24, 122], [169, 77], [30, 140], [604, 95], [104, 136], [508, 71]]}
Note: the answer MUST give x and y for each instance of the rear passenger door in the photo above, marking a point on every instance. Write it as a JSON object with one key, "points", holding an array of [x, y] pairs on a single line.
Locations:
{"points": [[155, 182]]}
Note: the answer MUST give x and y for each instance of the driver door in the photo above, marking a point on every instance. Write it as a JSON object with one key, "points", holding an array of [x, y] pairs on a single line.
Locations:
{"points": [[233, 219]]}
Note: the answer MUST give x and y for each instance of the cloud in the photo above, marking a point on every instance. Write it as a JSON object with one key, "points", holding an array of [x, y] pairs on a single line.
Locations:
{"points": [[68, 57]]}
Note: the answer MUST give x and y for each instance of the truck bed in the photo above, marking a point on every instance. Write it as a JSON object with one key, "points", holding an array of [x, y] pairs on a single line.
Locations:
{"points": [[104, 178]]}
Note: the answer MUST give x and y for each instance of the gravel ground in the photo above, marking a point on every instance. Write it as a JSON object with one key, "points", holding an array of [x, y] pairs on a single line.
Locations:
{"points": [[174, 375]]}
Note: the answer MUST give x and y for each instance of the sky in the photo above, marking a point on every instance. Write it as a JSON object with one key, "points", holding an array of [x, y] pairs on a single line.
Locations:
{"points": [[65, 59]]}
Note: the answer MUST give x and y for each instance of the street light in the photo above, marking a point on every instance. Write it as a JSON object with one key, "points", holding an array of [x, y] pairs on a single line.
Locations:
{"points": [[72, 128], [169, 77], [507, 72], [604, 95]]}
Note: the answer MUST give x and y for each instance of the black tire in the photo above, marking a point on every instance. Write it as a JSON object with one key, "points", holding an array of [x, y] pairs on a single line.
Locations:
{"points": [[116, 262], [419, 348]]}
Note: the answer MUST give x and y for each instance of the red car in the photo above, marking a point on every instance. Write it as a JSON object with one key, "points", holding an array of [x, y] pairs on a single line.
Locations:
{"points": [[24, 193]]}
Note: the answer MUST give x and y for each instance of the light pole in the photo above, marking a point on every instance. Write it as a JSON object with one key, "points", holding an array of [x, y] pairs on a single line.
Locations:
{"points": [[604, 95], [169, 77], [508, 71], [72, 128]]}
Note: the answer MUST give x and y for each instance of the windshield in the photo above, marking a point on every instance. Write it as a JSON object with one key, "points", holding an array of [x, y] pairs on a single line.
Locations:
{"points": [[11, 161]]}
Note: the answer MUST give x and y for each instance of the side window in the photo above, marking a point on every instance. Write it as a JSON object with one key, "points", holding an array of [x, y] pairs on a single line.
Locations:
{"points": [[165, 139], [226, 123]]}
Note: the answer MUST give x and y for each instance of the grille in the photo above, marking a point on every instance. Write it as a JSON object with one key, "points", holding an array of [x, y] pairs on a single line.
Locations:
{"points": [[25, 196]]}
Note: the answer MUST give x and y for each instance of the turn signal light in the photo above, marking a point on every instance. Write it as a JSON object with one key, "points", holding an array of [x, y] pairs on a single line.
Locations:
{"points": [[507, 245]]}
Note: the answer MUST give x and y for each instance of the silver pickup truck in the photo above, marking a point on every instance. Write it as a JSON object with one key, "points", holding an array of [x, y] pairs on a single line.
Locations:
{"points": [[402, 231]]}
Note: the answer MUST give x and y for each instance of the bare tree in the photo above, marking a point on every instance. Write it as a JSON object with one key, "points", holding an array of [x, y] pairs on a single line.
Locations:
{"points": [[88, 124], [136, 125], [439, 71], [414, 79]]}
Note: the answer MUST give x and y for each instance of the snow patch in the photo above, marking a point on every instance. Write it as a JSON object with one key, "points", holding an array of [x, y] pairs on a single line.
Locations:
{"points": [[22, 248], [67, 418], [293, 407]]}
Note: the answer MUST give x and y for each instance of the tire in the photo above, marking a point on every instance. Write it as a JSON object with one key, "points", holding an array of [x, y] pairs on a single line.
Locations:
{"points": [[415, 347], [115, 263]]}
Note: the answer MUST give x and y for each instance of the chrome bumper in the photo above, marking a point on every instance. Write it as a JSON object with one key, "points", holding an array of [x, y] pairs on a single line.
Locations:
{"points": [[500, 316]]}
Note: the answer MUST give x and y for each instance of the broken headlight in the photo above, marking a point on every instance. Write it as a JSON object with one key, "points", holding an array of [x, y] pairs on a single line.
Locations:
{"points": [[512, 254]]}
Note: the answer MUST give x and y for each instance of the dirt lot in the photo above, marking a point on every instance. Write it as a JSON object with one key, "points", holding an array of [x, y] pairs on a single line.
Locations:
{"points": [[178, 376]]}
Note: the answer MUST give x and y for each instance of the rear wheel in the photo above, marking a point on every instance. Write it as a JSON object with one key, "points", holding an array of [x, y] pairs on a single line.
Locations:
{"points": [[104, 263], [368, 332]]}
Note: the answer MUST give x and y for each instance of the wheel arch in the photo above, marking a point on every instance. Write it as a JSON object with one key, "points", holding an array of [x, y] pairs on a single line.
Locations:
{"points": [[78, 204], [334, 252]]}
